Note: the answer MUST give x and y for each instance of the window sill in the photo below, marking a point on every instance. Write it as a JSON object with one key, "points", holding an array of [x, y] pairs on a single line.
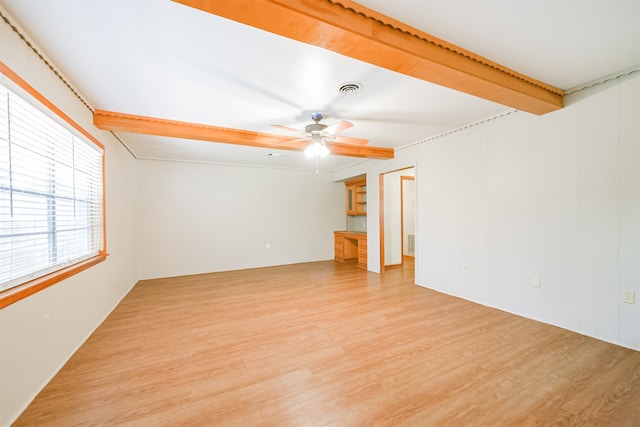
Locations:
{"points": [[15, 294]]}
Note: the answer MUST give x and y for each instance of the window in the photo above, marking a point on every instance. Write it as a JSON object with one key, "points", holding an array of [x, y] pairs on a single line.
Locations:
{"points": [[51, 189]]}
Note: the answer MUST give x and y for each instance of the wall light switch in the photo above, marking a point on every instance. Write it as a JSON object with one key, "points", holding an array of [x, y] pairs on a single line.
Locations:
{"points": [[535, 281], [629, 296], [267, 246]]}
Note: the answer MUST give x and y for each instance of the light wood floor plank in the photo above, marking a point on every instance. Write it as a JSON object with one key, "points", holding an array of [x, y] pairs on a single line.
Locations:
{"points": [[329, 344]]}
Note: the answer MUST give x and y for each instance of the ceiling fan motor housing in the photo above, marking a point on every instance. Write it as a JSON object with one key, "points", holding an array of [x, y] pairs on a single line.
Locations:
{"points": [[315, 128]]}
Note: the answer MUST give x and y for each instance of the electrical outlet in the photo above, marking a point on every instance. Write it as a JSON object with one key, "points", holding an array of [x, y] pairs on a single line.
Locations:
{"points": [[47, 322], [629, 296], [535, 281], [267, 246]]}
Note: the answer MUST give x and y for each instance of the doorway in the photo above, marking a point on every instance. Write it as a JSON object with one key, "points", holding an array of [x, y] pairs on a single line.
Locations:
{"points": [[397, 217]]}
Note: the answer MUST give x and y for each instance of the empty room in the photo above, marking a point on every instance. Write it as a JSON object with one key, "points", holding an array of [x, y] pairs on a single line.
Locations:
{"points": [[319, 212]]}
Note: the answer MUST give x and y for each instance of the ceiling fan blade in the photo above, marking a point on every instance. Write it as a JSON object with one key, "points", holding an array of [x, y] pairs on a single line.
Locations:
{"points": [[352, 141], [287, 129], [337, 127]]}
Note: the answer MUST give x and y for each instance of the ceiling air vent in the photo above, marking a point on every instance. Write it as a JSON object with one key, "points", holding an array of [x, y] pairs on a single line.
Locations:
{"points": [[350, 88]]}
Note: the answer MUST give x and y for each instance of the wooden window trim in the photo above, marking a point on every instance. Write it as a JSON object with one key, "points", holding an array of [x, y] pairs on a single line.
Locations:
{"points": [[24, 290], [16, 293]]}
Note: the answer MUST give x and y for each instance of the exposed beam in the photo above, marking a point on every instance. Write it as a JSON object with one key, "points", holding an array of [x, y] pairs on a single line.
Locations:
{"points": [[353, 30], [366, 151], [122, 122]]}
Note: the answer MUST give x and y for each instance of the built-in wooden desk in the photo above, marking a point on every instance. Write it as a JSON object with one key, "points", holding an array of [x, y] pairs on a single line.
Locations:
{"points": [[351, 245]]}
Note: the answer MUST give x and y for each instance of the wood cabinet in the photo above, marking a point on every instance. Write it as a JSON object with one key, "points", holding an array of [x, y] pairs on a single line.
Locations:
{"points": [[350, 246], [356, 192], [362, 251]]}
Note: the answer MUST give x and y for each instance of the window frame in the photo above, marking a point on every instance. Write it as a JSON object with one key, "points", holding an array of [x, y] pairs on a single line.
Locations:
{"points": [[19, 292]]}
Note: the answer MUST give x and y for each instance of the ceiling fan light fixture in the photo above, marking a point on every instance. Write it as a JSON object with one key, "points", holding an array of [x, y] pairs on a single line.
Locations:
{"points": [[316, 149]]}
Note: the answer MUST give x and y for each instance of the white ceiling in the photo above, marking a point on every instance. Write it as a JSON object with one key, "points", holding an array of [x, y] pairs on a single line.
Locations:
{"points": [[163, 59]]}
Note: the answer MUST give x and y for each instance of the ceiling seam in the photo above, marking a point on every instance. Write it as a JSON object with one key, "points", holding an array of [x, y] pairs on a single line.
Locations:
{"points": [[456, 130], [454, 49], [124, 145], [603, 80], [49, 65], [598, 82], [56, 72], [240, 165]]}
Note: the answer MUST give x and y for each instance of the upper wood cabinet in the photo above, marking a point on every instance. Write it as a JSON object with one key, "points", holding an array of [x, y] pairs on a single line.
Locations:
{"points": [[356, 197]]}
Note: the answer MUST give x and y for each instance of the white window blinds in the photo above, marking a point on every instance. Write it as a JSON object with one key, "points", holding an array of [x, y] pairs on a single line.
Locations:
{"points": [[50, 194]]}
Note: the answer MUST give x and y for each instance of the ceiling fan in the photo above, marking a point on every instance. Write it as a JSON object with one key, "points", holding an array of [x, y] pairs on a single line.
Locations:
{"points": [[319, 134]]}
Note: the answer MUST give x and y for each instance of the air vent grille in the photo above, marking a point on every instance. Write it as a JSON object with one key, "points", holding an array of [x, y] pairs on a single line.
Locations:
{"points": [[350, 87], [411, 244]]}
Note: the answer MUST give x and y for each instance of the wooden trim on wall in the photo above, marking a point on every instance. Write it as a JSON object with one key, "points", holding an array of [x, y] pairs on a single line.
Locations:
{"points": [[4, 69], [348, 28], [381, 215], [15, 294]]}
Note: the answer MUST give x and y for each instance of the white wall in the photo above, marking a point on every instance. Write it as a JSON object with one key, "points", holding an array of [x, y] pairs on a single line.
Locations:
{"points": [[392, 218], [29, 357], [198, 218], [556, 196], [357, 223]]}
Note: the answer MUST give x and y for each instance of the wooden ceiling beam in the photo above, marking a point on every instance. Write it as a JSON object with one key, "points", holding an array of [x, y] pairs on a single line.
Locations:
{"points": [[353, 30], [122, 122]]}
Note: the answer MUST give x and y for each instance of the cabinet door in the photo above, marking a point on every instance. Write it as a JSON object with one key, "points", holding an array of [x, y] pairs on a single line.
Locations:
{"points": [[356, 197], [362, 252], [351, 201], [338, 247]]}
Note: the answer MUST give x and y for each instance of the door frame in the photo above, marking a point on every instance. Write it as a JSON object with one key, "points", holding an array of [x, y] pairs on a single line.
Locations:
{"points": [[381, 209]]}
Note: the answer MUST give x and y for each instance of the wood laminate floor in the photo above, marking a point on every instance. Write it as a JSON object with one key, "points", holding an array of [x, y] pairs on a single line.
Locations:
{"points": [[330, 344]]}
